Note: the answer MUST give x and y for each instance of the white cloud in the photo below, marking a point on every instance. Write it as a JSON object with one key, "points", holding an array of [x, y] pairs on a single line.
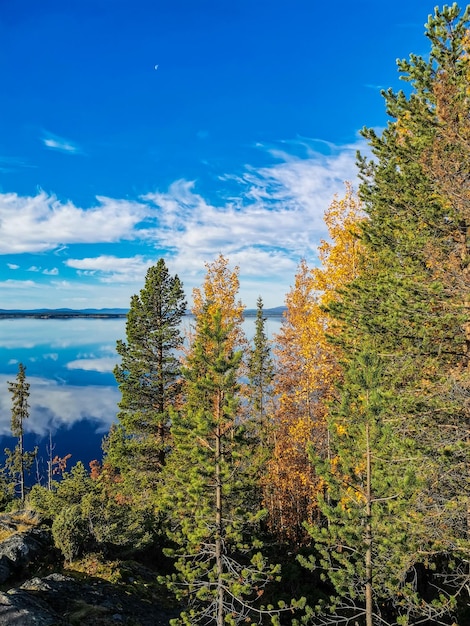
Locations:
{"points": [[77, 294], [10, 164], [52, 272], [112, 268], [274, 219], [13, 266], [18, 284], [54, 142], [41, 223], [270, 218], [278, 208]]}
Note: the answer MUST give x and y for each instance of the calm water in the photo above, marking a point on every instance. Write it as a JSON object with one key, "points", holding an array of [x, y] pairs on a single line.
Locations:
{"points": [[73, 394]]}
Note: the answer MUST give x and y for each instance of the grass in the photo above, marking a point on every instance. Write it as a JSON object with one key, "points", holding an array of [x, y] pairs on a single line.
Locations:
{"points": [[95, 565], [21, 522], [5, 533], [26, 517]]}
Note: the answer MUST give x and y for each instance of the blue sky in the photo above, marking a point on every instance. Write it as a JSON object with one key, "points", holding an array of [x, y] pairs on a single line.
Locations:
{"points": [[184, 129]]}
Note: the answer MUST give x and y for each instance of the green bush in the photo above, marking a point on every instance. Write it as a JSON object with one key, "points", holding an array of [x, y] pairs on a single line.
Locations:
{"points": [[71, 532], [43, 501], [94, 513]]}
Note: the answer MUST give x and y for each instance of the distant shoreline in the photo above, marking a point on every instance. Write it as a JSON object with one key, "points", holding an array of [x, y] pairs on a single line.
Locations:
{"points": [[70, 314], [52, 315], [62, 313]]}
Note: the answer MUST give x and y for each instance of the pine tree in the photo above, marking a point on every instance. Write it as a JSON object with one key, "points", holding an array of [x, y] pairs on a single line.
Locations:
{"points": [[209, 485], [18, 460], [149, 374], [409, 309], [366, 501]]}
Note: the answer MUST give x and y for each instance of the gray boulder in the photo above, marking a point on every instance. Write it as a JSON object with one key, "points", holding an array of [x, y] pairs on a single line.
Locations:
{"points": [[62, 600], [19, 552], [19, 608]]}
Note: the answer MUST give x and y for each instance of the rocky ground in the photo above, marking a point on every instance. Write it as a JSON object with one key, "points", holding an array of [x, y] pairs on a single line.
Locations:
{"points": [[36, 590]]}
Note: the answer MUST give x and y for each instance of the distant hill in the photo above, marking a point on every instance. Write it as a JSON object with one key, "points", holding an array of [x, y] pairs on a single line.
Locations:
{"points": [[63, 313], [273, 312]]}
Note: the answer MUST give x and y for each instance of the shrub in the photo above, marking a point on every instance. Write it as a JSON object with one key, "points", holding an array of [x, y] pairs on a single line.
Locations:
{"points": [[43, 501], [71, 532]]}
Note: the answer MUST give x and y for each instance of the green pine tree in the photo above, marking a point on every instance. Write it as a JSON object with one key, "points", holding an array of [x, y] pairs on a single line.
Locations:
{"points": [[19, 461], [149, 375], [368, 493], [410, 307], [209, 482]]}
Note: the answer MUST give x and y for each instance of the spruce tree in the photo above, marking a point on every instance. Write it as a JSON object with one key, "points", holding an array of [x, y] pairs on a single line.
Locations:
{"points": [[260, 377]]}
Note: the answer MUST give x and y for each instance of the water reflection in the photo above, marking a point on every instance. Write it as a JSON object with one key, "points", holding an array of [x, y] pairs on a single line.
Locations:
{"points": [[59, 333], [101, 364], [69, 365], [55, 405]]}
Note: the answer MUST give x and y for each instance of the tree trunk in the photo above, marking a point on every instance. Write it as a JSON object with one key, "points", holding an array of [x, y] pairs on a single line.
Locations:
{"points": [[21, 454], [218, 516], [368, 535]]}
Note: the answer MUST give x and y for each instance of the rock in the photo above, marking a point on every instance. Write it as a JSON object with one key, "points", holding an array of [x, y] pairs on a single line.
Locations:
{"points": [[89, 602], [6, 570], [53, 583], [21, 550], [62, 600], [18, 608]]}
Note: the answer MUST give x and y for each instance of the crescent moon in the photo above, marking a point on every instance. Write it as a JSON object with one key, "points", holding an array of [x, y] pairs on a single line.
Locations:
{"points": [[156, 67]]}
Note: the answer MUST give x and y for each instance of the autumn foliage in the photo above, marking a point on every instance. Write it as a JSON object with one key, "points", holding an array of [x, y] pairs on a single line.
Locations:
{"points": [[307, 372], [219, 293]]}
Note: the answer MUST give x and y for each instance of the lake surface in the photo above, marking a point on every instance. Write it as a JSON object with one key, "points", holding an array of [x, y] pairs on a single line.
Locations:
{"points": [[73, 393]]}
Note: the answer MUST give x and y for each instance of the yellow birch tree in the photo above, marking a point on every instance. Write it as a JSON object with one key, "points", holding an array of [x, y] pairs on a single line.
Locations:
{"points": [[307, 370], [219, 292]]}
